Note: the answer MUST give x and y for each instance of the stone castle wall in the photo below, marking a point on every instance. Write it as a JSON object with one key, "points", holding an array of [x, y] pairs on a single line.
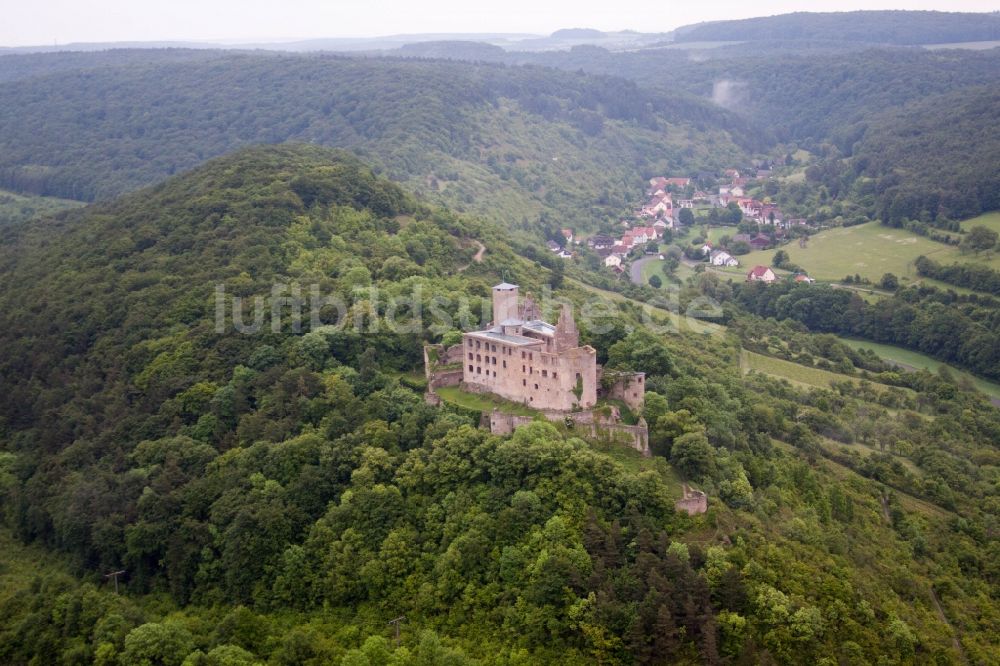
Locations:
{"points": [[693, 502], [629, 387], [444, 378], [532, 376], [637, 436]]}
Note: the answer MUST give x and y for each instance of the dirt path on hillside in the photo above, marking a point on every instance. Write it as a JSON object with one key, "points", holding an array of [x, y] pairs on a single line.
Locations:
{"points": [[476, 258], [954, 634]]}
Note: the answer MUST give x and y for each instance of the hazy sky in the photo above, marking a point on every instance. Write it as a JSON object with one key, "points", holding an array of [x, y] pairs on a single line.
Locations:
{"points": [[46, 21]]}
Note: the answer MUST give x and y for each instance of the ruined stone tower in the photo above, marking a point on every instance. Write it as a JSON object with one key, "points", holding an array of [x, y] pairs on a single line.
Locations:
{"points": [[504, 303], [567, 336]]}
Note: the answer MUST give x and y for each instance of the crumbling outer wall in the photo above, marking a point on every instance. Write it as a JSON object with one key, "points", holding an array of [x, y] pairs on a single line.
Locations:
{"points": [[630, 388], [637, 436]]}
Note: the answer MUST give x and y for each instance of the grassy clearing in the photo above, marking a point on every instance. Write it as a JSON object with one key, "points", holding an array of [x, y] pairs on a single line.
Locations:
{"points": [[635, 463], [917, 360], [651, 268], [795, 373], [20, 563], [988, 220], [871, 250], [16, 208], [715, 233], [483, 402], [909, 502], [679, 323]]}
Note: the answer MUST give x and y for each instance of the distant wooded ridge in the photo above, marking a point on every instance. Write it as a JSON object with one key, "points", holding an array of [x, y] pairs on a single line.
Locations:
{"points": [[899, 27]]}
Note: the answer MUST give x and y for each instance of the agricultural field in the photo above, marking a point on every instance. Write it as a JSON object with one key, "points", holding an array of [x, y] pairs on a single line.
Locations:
{"points": [[796, 373], [869, 250], [915, 360]]}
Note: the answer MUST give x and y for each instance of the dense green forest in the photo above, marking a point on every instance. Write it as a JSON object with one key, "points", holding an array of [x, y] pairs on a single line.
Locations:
{"points": [[935, 158], [510, 143], [277, 489], [971, 276], [516, 140], [890, 126], [280, 497]]}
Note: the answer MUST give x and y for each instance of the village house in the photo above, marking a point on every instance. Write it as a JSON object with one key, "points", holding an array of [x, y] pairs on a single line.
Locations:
{"points": [[612, 260], [771, 214], [802, 277], [761, 274], [553, 246], [722, 258], [567, 234], [760, 242], [522, 358], [657, 183], [657, 205], [601, 241], [651, 232], [751, 208], [661, 183]]}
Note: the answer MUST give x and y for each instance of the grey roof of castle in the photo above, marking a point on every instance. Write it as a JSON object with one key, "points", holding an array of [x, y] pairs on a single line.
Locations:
{"points": [[535, 325], [540, 326], [498, 335], [505, 286]]}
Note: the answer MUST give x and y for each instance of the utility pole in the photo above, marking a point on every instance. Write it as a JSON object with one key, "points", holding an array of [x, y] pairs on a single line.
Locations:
{"points": [[114, 575], [399, 620]]}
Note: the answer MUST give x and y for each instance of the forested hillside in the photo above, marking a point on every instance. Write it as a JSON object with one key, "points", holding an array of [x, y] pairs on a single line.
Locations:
{"points": [[918, 122], [873, 27], [507, 142], [935, 158], [281, 496]]}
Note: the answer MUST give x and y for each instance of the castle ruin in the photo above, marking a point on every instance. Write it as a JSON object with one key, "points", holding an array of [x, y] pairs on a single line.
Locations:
{"points": [[524, 359]]}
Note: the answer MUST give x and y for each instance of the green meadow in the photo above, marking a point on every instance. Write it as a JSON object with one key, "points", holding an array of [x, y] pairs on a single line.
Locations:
{"points": [[796, 373], [871, 250], [917, 361]]}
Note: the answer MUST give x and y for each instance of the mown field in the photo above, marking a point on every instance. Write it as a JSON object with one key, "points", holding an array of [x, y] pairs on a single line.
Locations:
{"points": [[871, 250], [794, 372], [917, 361], [988, 220]]}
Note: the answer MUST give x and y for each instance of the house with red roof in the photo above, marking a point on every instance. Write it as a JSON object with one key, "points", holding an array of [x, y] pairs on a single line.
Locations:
{"points": [[761, 274]]}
